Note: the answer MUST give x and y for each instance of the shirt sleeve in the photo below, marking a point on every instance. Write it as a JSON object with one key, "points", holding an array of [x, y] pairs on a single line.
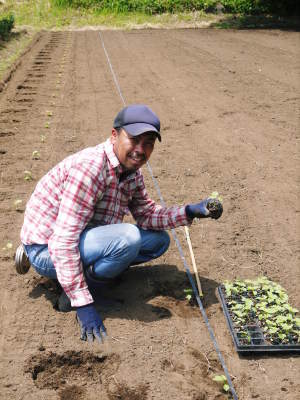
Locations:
{"points": [[81, 189], [150, 215]]}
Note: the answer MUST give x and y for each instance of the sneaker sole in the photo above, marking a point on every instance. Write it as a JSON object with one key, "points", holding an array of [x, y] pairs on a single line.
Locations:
{"points": [[22, 263]]}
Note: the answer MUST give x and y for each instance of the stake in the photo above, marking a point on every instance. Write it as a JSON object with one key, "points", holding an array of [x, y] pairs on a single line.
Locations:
{"points": [[188, 239]]}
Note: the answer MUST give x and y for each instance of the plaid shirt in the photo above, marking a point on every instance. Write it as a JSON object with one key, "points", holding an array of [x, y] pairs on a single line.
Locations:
{"points": [[81, 191]]}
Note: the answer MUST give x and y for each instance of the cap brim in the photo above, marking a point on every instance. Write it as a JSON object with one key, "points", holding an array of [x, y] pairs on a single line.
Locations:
{"points": [[139, 128]]}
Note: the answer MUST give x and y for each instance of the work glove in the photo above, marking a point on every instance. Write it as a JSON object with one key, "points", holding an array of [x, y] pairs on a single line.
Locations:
{"points": [[209, 208], [91, 325]]}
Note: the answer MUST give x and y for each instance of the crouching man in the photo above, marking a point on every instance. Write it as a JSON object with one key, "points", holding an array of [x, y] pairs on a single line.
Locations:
{"points": [[73, 229]]}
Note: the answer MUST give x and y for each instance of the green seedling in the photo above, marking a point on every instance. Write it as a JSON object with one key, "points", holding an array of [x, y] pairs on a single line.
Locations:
{"points": [[18, 204], [214, 204], [47, 125], [216, 195], [43, 138], [222, 380], [36, 155], [49, 113], [27, 176], [188, 294]]}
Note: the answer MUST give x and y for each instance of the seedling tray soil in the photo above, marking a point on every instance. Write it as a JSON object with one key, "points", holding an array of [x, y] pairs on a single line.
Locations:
{"points": [[253, 332]]}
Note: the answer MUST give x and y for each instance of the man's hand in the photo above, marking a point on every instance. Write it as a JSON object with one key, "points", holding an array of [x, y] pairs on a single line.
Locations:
{"points": [[208, 208], [91, 324]]}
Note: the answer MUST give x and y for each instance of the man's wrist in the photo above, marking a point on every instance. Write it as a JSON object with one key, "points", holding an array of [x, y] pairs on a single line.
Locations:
{"points": [[188, 212]]}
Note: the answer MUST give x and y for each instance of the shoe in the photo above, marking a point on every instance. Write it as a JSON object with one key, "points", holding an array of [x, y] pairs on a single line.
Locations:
{"points": [[22, 263], [63, 303], [97, 283]]}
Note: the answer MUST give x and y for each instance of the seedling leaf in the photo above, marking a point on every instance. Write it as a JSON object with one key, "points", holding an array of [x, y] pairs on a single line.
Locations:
{"points": [[8, 246], [220, 378], [35, 155], [27, 176], [226, 387], [17, 204]]}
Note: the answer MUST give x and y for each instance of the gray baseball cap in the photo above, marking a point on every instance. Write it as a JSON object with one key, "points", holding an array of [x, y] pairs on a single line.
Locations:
{"points": [[137, 119]]}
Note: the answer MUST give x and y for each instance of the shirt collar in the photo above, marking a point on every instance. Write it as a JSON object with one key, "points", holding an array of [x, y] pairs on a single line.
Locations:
{"points": [[113, 159]]}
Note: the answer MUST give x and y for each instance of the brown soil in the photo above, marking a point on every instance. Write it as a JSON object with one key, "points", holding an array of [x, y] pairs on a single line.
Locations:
{"points": [[229, 106]]}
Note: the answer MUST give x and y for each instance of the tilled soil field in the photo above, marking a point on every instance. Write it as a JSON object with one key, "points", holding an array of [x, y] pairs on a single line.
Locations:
{"points": [[229, 107]]}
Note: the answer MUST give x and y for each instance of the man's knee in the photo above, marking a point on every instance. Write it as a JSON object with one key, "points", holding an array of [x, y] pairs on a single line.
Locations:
{"points": [[131, 236], [165, 241]]}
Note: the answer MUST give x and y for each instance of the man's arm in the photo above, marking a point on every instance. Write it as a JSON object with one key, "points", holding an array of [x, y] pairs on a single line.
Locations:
{"points": [[76, 209], [150, 215]]}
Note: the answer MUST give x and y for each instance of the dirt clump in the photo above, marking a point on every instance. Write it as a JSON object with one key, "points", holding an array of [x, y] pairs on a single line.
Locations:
{"points": [[124, 392], [52, 370], [72, 392]]}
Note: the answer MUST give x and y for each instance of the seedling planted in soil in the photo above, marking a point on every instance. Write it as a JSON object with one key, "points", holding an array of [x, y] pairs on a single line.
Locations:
{"points": [[188, 294], [18, 204], [8, 246], [36, 155], [214, 204], [27, 176], [222, 380]]}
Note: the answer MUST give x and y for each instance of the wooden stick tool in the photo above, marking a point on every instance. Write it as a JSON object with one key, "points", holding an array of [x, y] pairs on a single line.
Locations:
{"points": [[188, 239]]}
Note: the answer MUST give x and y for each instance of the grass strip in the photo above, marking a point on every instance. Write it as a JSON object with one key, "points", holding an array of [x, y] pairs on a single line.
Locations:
{"points": [[44, 14], [12, 48]]}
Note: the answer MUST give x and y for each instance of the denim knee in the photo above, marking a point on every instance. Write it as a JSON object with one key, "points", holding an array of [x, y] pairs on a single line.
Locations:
{"points": [[131, 236], [131, 239], [165, 241]]}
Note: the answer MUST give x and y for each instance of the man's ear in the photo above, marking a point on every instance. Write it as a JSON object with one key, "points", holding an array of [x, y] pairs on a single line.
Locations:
{"points": [[114, 134]]}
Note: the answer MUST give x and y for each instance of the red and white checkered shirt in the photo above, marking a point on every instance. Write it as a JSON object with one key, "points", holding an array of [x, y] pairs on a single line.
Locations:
{"points": [[84, 190]]}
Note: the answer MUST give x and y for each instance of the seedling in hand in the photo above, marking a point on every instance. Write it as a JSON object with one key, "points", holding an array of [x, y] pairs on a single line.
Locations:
{"points": [[214, 204]]}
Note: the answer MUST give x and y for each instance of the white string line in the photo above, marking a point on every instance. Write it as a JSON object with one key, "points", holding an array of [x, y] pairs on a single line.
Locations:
{"points": [[178, 245]]}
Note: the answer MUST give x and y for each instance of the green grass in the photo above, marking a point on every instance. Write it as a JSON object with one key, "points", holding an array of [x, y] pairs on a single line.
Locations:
{"points": [[41, 14], [11, 49]]}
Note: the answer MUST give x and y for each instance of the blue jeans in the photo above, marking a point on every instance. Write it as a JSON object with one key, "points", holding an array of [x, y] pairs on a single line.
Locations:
{"points": [[110, 249]]}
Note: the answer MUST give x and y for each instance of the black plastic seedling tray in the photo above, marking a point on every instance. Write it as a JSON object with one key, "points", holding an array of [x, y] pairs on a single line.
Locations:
{"points": [[258, 343]]}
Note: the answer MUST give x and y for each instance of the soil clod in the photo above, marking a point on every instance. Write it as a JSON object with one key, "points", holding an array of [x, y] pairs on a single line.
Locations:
{"points": [[52, 370]]}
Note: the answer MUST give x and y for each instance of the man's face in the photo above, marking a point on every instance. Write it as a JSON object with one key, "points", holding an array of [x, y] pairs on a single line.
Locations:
{"points": [[133, 151]]}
